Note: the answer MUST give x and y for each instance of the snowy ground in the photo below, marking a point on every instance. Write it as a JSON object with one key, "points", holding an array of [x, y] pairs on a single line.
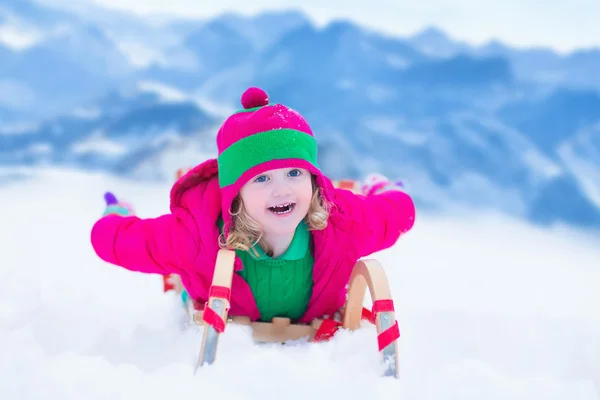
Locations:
{"points": [[489, 308]]}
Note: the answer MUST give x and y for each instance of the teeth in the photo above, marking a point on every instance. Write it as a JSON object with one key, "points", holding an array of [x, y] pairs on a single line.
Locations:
{"points": [[282, 208]]}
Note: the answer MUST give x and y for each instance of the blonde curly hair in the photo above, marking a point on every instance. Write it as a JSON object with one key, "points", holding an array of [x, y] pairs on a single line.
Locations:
{"points": [[246, 233]]}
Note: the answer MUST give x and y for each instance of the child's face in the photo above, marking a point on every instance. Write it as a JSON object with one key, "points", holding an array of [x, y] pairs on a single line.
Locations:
{"points": [[278, 199]]}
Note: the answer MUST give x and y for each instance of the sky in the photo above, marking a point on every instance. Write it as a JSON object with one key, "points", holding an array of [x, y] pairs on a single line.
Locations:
{"points": [[560, 24]]}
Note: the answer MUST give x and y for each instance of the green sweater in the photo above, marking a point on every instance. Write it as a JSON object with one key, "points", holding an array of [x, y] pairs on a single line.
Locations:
{"points": [[281, 287]]}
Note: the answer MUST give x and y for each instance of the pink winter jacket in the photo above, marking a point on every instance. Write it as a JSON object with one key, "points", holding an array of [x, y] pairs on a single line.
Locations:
{"points": [[185, 241]]}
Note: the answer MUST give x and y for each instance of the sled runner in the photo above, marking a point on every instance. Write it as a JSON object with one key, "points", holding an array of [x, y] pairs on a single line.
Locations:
{"points": [[366, 274]]}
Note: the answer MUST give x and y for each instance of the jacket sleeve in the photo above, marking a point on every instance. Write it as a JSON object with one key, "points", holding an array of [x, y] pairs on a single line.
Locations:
{"points": [[377, 220], [142, 245]]}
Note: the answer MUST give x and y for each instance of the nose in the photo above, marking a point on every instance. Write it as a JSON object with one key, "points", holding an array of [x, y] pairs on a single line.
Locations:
{"points": [[281, 189]]}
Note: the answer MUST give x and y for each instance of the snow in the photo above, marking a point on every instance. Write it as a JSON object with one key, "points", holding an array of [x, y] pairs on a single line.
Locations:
{"points": [[472, 189], [580, 156], [541, 164], [18, 37], [140, 55], [166, 92], [397, 61], [15, 94], [177, 153], [86, 112], [215, 109], [394, 127], [19, 128], [379, 94], [345, 84], [98, 143], [488, 307], [517, 143], [40, 148]]}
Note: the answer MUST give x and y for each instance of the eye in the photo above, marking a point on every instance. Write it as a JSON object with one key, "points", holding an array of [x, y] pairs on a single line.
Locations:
{"points": [[262, 178], [294, 173]]}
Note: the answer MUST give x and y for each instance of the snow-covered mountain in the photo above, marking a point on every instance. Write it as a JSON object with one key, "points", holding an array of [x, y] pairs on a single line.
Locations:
{"points": [[541, 65], [120, 132], [463, 126], [434, 42], [56, 59]]}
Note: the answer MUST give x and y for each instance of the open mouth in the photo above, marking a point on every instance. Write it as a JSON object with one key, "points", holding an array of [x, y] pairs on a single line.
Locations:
{"points": [[282, 208]]}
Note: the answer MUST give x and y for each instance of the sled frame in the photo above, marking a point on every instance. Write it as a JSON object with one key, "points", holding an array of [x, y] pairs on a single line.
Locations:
{"points": [[366, 273]]}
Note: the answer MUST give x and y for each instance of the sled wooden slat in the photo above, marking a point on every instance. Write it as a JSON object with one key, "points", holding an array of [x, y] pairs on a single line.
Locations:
{"points": [[276, 331]]}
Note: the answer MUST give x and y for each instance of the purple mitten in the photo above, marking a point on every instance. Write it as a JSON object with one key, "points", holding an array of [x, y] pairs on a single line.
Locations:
{"points": [[110, 199], [116, 207]]}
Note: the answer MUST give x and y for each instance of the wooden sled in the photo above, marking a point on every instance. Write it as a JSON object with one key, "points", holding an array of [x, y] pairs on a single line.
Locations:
{"points": [[213, 315], [366, 274]]}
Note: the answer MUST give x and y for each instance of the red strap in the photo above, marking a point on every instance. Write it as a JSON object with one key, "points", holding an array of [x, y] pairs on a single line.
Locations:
{"points": [[385, 305], [210, 316], [167, 283], [378, 306], [388, 336], [368, 315], [327, 329], [221, 292], [198, 306], [213, 319]]}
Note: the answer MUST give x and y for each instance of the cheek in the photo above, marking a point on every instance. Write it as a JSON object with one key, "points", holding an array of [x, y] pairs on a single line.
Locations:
{"points": [[253, 202], [305, 193], [253, 205]]}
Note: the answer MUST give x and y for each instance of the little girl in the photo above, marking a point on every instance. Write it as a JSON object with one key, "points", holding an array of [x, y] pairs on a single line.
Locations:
{"points": [[296, 237]]}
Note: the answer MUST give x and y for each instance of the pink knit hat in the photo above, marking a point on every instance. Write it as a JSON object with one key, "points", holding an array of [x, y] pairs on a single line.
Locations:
{"points": [[259, 138]]}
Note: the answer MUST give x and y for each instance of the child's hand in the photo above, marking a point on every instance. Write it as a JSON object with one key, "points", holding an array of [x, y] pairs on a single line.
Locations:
{"points": [[115, 207], [377, 183]]}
